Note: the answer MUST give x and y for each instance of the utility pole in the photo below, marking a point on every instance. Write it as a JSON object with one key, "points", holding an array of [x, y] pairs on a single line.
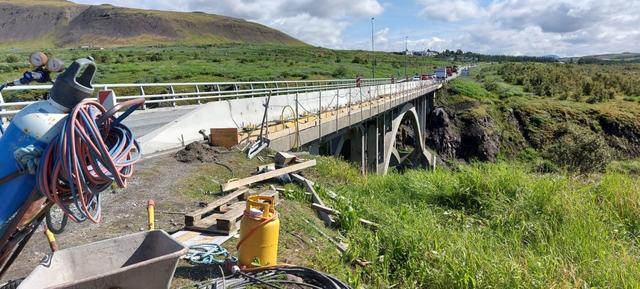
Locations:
{"points": [[373, 52], [406, 60]]}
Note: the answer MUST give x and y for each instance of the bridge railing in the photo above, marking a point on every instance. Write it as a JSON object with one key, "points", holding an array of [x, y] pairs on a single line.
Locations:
{"points": [[176, 94]]}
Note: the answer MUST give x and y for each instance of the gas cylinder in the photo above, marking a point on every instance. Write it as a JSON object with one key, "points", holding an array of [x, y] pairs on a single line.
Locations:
{"points": [[259, 232], [33, 128]]}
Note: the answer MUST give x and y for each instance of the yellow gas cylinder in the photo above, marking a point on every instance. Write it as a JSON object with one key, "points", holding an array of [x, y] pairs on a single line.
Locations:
{"points": [[259, 231]]}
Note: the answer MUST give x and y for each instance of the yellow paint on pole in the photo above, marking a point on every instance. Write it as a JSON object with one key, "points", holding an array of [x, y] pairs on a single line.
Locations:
{"points": [[151, 215]]}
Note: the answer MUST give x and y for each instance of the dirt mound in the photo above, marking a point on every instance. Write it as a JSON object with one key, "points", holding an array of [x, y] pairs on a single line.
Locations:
{"points": [[197, 152]]}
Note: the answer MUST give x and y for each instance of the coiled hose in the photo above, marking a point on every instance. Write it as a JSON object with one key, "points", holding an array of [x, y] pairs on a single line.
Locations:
{"points": [[276, 277], [93, 151]]}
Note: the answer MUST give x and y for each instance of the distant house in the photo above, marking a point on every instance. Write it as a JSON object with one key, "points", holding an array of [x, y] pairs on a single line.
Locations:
{"points": [[425, 53]]}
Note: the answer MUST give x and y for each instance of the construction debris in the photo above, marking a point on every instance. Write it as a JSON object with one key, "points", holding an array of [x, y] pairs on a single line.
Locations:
{"points": [[266, 176], [315, 198], [223, 216], [283, 159], [197, 215], [330, 211]]}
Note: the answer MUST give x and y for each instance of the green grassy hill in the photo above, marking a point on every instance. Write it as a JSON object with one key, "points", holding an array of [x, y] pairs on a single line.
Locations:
{"points": [[60, 23], [225, 62], [612, 57]]}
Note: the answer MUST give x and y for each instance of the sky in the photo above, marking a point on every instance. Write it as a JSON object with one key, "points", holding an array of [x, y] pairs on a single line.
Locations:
{"points": [[510, 27]]}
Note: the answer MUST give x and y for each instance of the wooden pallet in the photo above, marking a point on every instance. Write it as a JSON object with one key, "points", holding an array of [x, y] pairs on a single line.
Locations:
{"points": [[218, 206], [226, 218]]}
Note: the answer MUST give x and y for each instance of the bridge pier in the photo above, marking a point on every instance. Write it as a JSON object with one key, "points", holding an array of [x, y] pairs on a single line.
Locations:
{"points": [[374, 143]]}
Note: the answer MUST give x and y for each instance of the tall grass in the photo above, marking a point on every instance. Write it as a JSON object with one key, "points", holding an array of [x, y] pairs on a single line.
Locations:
{"points": [[491, 226]]}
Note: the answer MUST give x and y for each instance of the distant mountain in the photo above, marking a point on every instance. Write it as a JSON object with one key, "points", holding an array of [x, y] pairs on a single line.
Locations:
{"points": [[614, 57], [60, 23]]}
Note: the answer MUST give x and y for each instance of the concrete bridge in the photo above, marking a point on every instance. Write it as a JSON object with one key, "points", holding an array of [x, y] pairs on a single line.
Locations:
{"points": [[376, 123]]}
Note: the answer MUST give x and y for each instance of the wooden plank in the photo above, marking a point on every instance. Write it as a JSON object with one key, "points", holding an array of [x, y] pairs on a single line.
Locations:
{"points": [[325, 209], [335, 212], [268, 175], [224, 137], [227, 222], [269, 193], [190, 238], [194, 216], [213, 230], [315, 198]]}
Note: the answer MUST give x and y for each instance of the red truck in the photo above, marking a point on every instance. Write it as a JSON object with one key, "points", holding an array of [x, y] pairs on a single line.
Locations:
{"points": [[451, 70]]}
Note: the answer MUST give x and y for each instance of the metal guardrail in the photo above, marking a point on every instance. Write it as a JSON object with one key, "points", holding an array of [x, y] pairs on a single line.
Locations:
{"points": [[175, 94]]}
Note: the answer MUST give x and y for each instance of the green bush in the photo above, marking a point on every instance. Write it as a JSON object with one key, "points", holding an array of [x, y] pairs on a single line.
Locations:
{"points": [[579, 149], [340, 72], [359, 60], [11, 59]]}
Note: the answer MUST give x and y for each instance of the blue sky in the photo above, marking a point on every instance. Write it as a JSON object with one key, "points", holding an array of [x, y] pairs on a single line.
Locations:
{"points": [[516, 27]]}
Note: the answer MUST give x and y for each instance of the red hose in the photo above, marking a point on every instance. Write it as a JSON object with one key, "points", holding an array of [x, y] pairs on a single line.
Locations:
{"points": [[93, 151]]}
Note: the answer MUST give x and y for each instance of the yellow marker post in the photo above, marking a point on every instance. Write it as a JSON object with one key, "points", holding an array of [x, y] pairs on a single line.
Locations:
{"points": [[151, 214], [51, 238]]}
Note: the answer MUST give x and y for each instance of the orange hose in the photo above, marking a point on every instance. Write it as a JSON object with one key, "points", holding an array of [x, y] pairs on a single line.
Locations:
{"points": [[262, 224]]}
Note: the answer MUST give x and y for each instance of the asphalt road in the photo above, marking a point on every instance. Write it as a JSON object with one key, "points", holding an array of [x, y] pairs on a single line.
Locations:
{"points": [[143, 122]]}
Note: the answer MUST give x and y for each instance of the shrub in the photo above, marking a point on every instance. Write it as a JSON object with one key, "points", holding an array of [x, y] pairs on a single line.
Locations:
{"points": [[579, 149], [357, 59], [340, 72], [11, 59], [155, 57]]}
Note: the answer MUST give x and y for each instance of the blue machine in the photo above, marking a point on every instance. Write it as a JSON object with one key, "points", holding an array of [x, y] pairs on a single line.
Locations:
{"points": [[30, 132]]}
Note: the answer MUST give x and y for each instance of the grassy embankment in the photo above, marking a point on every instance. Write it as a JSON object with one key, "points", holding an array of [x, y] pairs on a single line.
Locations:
{"points": [[486, 225], [535, 121], [508, 224], [226, 62]]}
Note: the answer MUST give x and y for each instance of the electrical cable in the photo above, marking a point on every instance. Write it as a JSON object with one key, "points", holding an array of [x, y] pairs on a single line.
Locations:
{"points": [[93, 150]]}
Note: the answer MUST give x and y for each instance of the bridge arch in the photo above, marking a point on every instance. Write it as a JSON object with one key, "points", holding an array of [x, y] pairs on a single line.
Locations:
{"points": [[391, 154]]}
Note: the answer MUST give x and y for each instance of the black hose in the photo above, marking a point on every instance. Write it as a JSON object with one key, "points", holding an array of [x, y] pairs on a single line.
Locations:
{"points": [[56, 229], [300, 284], [257, 280], [225, 166]]}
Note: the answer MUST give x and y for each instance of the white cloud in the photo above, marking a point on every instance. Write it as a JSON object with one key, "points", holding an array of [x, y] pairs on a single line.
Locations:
{"points": [[313, 21], [534, 27], [382, 36], [538, 27], [312, 29], [452, 10]]}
